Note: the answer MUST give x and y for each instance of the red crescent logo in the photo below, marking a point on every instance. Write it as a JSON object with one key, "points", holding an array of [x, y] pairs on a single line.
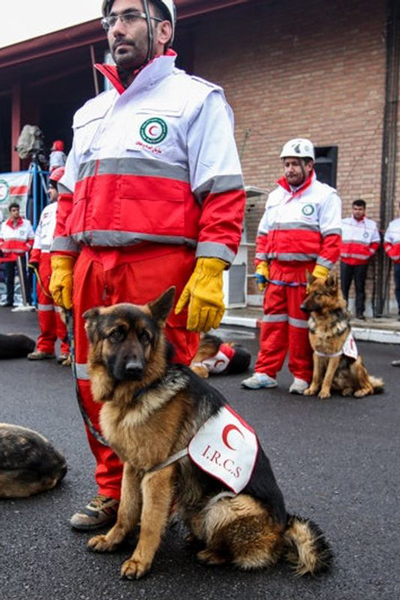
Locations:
{"points": [[226, 431], [151, 129]]}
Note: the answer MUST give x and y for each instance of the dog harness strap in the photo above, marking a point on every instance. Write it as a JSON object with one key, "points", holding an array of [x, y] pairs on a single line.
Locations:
{"points": [[175, 457], [219, 497], [287, 283], [328, 355]]}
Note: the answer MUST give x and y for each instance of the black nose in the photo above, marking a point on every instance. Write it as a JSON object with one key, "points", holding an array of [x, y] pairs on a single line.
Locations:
{"points": [[134, 369], [304, 307]]}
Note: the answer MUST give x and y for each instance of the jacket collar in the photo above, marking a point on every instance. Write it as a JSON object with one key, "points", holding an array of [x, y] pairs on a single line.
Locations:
{"points": [[148, 75], [10, 222], [283, 182]]}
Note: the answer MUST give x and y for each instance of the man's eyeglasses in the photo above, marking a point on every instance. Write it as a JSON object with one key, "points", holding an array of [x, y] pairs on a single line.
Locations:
{"points": [[128, 18]]}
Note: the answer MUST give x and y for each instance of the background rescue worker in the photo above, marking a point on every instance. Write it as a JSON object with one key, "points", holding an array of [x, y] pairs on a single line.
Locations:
{"points": [[50, 322], [57, 157], [152, 196], [360, 241], [299, 232], [391, 244], [16, 239]]}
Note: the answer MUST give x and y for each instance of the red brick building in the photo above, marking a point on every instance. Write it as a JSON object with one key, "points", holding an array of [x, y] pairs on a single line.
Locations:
{"points": [[324, 70]]}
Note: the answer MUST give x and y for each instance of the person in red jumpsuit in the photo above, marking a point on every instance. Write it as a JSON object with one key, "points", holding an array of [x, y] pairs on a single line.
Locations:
{"points": [[51, 324], [300, 231], [152, 196]]}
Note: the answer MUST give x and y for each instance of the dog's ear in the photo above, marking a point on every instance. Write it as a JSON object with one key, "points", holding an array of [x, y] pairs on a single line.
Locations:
{"points": [[161, 307], [332, 281], [91, 316]]}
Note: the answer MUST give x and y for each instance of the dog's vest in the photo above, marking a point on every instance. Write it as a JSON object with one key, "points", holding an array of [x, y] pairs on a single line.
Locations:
{"points": [[225, 447], [349, 349]]}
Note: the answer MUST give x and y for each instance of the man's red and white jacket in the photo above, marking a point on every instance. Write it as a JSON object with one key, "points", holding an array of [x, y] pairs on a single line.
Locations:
{"points": [[360, 240], [392, 240], [156, 162], [302, 226], [16, 240], [44, 232]]}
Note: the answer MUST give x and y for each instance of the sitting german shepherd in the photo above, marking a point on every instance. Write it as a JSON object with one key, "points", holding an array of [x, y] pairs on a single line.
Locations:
{"points": [[152, 411], [215, 357], [29, 463], [337, 364]]}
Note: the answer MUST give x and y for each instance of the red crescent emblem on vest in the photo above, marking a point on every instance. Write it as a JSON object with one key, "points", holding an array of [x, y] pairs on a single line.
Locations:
{"points": [[226, 431]]}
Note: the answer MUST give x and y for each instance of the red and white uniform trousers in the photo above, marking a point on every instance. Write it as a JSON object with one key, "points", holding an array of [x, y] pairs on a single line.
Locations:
{"points": [[285, 326], [49, 315], [107, 277]]}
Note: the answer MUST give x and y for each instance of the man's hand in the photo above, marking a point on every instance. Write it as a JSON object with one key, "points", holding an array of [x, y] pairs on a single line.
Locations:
{"points": [[61, 280], [204, 295], [262, 275]]}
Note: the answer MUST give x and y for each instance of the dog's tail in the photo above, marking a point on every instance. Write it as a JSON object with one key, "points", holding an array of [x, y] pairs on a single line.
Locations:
{"points": [[306, 548], [377, 384]]}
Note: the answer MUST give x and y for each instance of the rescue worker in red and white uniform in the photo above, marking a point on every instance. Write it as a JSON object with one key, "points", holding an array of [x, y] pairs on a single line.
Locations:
{"points": [[16, 240], [299, 232], [152, 196], [360, 241], [391, 244], [50, 322]]}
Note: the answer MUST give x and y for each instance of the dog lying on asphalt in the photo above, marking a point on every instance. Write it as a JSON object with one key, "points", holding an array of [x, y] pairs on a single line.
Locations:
{"points": [[184, 448], [217, 357], [337, 364], [29, 463], [15, 345]]}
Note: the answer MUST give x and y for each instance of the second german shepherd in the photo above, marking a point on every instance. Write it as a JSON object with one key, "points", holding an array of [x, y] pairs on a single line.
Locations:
{"points": [[151, 410], [335, 367]]}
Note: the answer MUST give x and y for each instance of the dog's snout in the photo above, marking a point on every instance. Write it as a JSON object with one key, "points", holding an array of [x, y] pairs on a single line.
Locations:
{"points": [[134, 369], [304, 307]]}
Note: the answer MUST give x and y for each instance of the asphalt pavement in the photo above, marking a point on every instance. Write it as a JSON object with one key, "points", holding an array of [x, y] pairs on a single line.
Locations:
{"points": [[336, 461]]}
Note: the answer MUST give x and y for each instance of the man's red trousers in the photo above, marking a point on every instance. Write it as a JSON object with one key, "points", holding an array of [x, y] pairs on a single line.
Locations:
{"points": [[284, 328], [98, 282]]}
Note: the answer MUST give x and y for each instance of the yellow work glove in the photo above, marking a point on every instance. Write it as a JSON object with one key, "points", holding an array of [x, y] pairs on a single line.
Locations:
{"points": [[319, 272], [262, 275], [62, 267], [203, 292]]}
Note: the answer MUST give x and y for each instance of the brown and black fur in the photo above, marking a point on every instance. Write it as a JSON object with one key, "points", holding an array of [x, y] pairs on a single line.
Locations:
{"points": [[29, 463], [329, 325], [151, 410], [209, 346], [15, 345]]}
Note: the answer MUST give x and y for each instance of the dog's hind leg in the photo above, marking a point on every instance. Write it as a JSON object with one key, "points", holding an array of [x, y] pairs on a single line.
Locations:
{"points": [[242, 532], [333, 364], [128, 514], [158, 492]]}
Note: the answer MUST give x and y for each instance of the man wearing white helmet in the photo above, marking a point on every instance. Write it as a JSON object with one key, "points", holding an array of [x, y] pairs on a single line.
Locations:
{"points": [[152, 196], [299, 232]]}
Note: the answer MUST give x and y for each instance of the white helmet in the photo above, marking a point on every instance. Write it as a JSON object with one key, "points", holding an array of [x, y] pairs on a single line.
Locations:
{"points": [[298, 148], [168, 5]]}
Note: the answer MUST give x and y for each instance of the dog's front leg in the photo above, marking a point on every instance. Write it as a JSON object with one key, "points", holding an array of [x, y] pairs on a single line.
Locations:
{"points": [[333, 364], [317, 376], [128, 513], [157, 493]]}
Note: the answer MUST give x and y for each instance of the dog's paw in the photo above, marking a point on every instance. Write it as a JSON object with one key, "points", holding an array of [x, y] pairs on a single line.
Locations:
{"points": [[134, 568], [209, 557], [100, 543], [311, 391], [324, 394], [362, 393]]}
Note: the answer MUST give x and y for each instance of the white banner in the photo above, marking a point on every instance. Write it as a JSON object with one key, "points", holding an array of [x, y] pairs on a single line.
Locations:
{"points": [[226, 447], [14, 187]]}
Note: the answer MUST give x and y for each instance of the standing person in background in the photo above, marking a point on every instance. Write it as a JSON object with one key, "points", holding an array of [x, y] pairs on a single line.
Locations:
{"points": [[391, 244], [16, 239], [152, 196], [360, 241], [299, 232], [50, 322]]}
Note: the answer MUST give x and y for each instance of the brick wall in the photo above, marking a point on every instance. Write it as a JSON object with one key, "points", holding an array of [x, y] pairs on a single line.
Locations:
{"points": [[314, 69]]}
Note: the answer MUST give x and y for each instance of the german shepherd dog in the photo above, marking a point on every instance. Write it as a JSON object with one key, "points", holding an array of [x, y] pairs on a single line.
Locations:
{"points": [[329, 325], [216, 356], [151, 410], [29, 463]]}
